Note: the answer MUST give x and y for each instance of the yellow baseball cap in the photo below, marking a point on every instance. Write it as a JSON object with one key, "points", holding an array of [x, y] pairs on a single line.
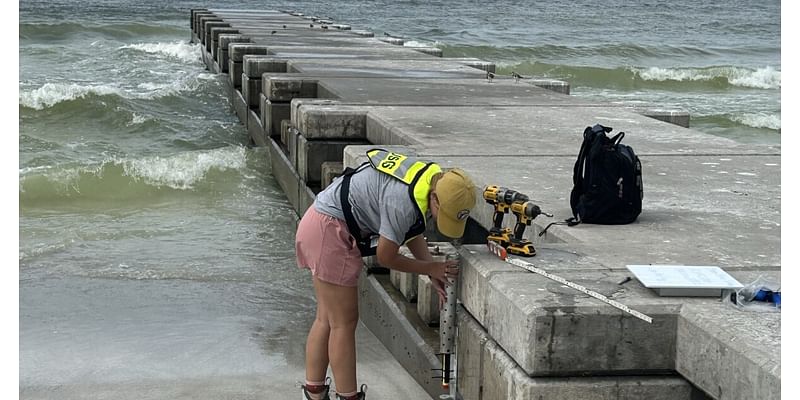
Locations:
{"points": [[456, 194]]}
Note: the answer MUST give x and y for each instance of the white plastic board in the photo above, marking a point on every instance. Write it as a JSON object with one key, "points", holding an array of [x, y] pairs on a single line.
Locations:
{"points": [[684, 280]]}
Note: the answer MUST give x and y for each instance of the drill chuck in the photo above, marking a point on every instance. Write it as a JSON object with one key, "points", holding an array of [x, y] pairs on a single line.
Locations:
{"points": [[526, 210]]}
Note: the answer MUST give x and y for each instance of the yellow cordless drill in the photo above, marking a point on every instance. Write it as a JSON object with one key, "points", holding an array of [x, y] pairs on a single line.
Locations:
{"points": [[525, 211], [501, 198]]}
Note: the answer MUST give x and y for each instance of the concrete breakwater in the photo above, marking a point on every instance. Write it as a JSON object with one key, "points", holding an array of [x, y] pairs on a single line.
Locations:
{"points": [[316, 93]]}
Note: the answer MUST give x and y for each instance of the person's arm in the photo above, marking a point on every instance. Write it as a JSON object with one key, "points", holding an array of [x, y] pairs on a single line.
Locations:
{"points": [[389, 256], [419, 248]]}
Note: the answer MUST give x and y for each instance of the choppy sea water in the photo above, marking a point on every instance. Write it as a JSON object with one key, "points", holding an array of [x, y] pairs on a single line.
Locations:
{"points": [[149, 232]]}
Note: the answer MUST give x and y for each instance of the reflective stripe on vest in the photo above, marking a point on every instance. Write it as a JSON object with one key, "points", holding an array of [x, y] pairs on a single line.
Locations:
{"points": [[416, 174]]}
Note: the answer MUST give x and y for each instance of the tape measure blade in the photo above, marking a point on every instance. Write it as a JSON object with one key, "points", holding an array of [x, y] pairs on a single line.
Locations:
{"points": [[598, 296]]}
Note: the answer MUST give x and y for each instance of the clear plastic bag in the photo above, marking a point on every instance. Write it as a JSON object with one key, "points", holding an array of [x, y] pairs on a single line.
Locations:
{"points": [[761, 295]]}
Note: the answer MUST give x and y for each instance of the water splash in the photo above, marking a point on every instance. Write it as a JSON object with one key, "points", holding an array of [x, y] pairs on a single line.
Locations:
{"points": [[182, 51]]}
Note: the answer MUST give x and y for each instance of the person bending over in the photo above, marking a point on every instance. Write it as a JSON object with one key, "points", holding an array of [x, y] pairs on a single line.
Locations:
{"points": [[372, 210]]}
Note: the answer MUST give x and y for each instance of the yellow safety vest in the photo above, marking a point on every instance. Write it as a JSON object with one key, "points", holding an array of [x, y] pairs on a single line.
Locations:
{"points": [[415, 174]]}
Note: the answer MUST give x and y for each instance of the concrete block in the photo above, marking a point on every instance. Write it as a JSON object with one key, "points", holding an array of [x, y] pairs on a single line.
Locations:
{"points": [[305, 198], [298, 103], [255, 66], [676, 117], [194, 21], [235, 73], [381, 312], [553, 330], [285, 126], [222, 49], [255, 129], [341, 27], [292, 136], [392, 40], [200, 17], [209, 25], [605, 388], [355, 155], [550, 84], [251, 91], [284, 89], [477, 269], [262, 107], [363, 33], [312, 153], [379, 131], [431, 51], [729, 356], [406, 283], [213, 45], [330, 171], [283, 172], [273, 114], [236, 53], [203, 20], [482, 65], [322, 122], [240, 107], [205, 57], [470, 342], [427, 301], [502, 379]]}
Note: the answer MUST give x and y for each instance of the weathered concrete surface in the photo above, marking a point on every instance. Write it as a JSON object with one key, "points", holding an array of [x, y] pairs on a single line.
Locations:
{"points": [[708, 200], [402, 331], [486, 372], [222, 50], [433, 68]]}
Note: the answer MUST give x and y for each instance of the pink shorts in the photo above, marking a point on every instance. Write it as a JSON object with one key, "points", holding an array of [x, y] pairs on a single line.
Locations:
{"points": [[324, 245]]}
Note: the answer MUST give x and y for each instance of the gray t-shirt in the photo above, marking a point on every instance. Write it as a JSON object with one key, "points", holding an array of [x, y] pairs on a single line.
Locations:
{"points": [[379, 202]]}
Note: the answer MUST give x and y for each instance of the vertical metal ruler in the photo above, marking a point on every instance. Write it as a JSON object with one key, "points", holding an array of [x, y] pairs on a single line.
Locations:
{"points": [[500, 252]]}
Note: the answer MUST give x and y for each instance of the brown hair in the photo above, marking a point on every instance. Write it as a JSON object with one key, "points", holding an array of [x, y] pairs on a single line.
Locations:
{"points": [[435, 178]]}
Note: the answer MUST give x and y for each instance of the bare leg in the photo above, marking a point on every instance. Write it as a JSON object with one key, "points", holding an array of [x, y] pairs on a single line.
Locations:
{"points": [[317, 342], [340, 304]]}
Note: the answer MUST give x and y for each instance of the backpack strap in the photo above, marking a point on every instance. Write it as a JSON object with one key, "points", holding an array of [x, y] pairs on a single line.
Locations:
{"points": [[617, 138], [364, 244], [571, 221]]}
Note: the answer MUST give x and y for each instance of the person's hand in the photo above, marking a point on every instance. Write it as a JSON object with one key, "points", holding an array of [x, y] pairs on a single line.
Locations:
{"points": [[441, 273], [440, 290], [444, 271]]}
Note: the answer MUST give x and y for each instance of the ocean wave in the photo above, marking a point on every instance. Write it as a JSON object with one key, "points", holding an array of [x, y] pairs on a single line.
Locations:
{"points": [[63, 30], [762, 78], [182, 51], [184, 170], [131, 178], [50, 94], [759, 120], [416, 43]]}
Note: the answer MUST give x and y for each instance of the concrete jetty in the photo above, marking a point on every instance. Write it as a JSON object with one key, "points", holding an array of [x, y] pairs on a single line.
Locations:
{"points": [[316, 93]]}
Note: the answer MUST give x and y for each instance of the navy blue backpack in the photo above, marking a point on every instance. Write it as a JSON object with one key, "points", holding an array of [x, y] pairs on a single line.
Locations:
{"points": [[607, 180]]}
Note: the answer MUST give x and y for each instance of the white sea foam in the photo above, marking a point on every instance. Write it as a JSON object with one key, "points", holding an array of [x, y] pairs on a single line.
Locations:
{"points": [[53, 93], [182, 171], [182, 51], [414, 43], [760, 120], [137, 119], [762, 78]]}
